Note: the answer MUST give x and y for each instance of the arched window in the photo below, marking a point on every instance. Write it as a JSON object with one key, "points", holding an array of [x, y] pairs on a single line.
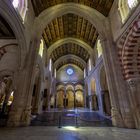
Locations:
{"points": [[21, 6], [125, 7], [41, 48], [132, 3], [99, 48]]}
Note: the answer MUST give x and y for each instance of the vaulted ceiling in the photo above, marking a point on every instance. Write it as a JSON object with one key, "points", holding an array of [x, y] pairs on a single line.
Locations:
{"points": [[5, 30], [70, 48], [70, 25], [103, 6]]}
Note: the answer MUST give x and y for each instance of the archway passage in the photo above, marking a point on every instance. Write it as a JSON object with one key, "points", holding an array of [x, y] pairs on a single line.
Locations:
{"points": [[9, 63]]}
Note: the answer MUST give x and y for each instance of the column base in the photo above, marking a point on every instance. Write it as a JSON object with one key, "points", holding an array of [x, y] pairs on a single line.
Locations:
{"points": [[122, 120], [19, 118], [117, 120]]}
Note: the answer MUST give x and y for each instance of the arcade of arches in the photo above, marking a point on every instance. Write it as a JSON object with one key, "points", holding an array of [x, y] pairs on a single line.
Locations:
{"points": [[61, 55]]}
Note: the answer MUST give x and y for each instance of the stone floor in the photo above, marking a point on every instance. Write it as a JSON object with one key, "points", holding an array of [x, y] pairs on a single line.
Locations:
{"points": [[68, 133], [80, 117]]}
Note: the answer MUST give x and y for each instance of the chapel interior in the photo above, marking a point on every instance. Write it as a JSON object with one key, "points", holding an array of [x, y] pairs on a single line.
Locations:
{"points": [[64, 62]]}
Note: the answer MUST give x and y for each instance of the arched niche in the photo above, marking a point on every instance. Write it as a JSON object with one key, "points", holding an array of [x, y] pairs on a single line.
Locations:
{"points": [[79, 87], [70, 87], [79, 98]]}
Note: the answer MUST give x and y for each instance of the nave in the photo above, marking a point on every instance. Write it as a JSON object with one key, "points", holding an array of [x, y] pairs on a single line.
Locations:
{"points": [[70, 63]]}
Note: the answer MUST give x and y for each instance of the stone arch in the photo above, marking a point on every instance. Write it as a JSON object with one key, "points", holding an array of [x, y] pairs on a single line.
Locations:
{"points": [[60, 95], [69, 40], [79, 87], [9, 14], [60, 87], [88, 13], [70, 87], [79, 95], [129, 51], [67, 57]]}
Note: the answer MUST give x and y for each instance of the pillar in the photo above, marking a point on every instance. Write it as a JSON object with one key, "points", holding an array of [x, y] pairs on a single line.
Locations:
{"points": [[134, 97], [120, 106], [23, 87], [35, 107]]}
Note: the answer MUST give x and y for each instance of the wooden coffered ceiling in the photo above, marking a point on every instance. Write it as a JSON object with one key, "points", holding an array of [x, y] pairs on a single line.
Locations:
{"points": [[70, 61], [70, 48], [103, 6], [5, 30], [70, 25]]}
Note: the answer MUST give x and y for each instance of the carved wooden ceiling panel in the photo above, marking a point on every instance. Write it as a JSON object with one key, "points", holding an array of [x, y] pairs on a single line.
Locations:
{"points": [[70, 25], [70, 48], [70, 61], [103, 6], [5, 30]]}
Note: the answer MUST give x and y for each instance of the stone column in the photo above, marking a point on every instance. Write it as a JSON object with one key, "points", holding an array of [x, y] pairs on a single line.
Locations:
{"points": [[75, 104], [98, 91], [55, 95], [89, 95], [85, 95], [120, 107], [134, 97], [23, 87], [35, 107], [7, 94], [64, 100], [49, 92]]}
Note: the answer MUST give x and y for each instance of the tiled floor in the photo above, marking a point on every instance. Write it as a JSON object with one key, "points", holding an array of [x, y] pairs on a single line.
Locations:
{"points": [[68, 133]]}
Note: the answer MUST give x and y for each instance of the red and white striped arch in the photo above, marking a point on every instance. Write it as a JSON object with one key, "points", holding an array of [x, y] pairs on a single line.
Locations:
{"points": [[129, 51]]}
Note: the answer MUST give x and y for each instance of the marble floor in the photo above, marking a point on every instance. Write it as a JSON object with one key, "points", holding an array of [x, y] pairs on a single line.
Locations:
{"points": [[68, 133]]}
